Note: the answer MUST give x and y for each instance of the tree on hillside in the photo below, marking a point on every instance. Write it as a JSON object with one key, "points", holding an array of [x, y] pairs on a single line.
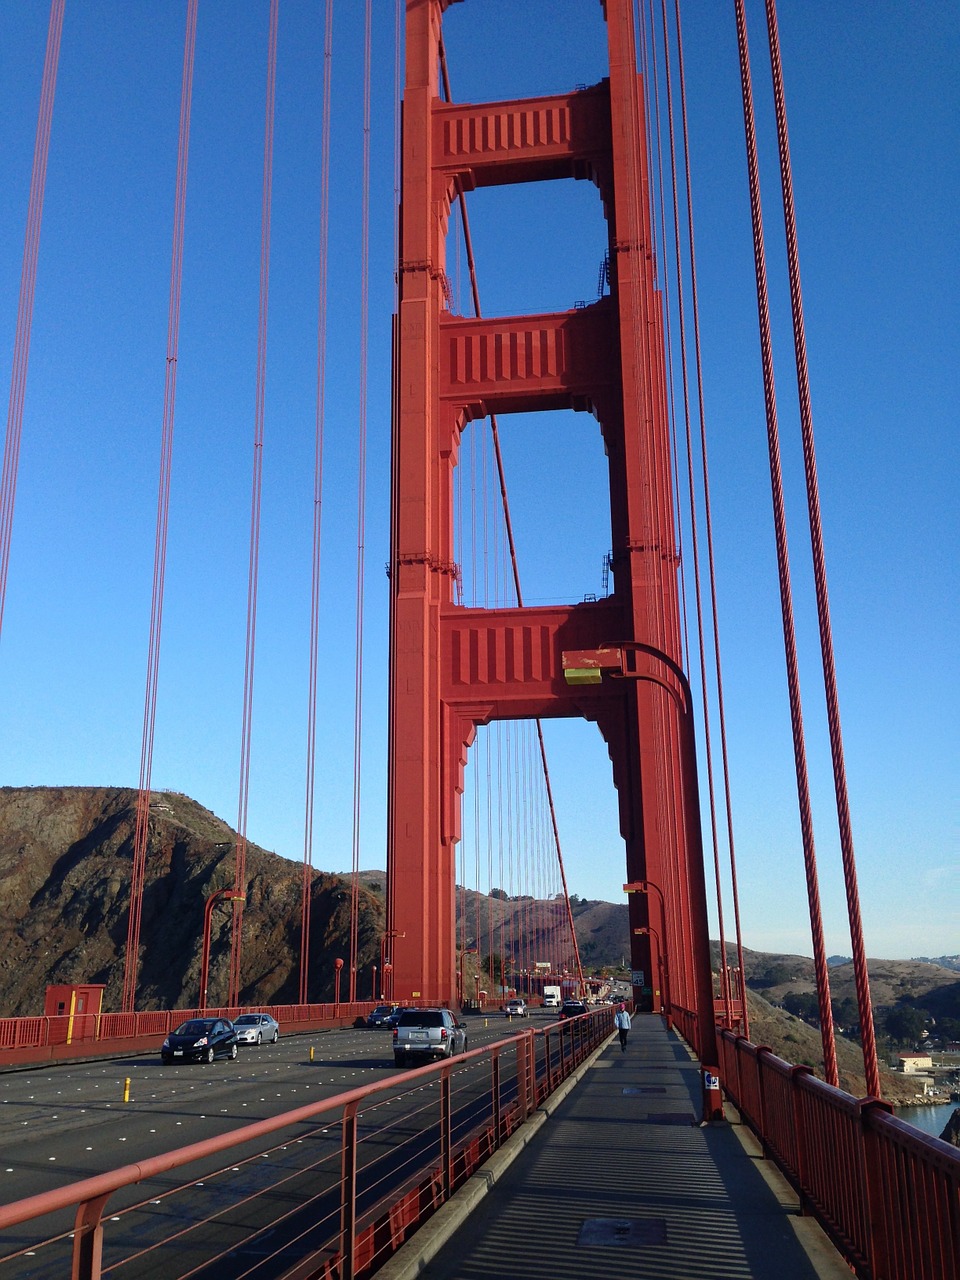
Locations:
{"points": [[904, 1025], [846, 1016], [773, 973], [803, 1005], [493, 964]]}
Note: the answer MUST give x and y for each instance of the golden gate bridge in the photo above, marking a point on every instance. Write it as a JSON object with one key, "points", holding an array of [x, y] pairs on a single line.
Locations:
{"points": [[462, 658]]}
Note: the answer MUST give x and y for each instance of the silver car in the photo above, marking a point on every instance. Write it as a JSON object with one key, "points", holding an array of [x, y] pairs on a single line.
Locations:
{"points": [[254, 1028], [427, 1033]]}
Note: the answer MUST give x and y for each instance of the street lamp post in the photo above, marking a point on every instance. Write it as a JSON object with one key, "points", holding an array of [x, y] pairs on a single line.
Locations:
{"points": [[373, 992], [645, 886], [387, 975], [338, 969], [662, 966], [468, 951], [231, 896], [385, 965]]}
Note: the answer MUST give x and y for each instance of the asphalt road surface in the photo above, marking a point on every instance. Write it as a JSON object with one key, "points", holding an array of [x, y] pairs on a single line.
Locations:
{"points": [[61, 1124]]}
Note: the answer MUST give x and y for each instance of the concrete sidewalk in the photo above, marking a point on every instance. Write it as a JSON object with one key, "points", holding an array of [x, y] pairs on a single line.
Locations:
{"points": [[620, 1180]]}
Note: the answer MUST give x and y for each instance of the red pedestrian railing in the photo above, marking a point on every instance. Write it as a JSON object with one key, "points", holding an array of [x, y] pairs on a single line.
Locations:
{"points": [[887, 1194], [343, 1182]]}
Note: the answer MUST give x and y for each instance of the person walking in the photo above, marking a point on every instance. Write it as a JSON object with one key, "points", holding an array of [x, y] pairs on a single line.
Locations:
{"points": [[621, 1021]]}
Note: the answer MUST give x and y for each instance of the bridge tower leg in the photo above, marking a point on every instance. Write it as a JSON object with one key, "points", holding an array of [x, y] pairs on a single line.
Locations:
{"points": [[453, 668]]}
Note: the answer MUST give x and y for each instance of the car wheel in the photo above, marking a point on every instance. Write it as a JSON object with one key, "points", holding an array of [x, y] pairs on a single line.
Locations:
{"points": [[209, 1055], [276, 1036], [398, 1059], [233, 1051], [259, 1037], [165, 1060]]}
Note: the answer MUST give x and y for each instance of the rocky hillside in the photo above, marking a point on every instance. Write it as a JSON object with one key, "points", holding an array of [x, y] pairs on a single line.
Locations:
{"points": [[65, 860]]}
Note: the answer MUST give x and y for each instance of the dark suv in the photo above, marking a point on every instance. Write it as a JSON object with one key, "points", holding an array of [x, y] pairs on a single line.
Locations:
{"points": [[572, 1008]]}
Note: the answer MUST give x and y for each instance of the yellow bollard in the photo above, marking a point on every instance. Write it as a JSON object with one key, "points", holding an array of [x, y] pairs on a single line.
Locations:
{"points": [[126, 1089], [311, 1053]]}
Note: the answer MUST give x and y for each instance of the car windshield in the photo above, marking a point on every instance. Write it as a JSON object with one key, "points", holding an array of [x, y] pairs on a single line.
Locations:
{"points": [[247, 1020], [382, 1009], [195, 1027]]}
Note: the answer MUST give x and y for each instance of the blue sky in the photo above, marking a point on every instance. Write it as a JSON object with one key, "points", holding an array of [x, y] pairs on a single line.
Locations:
{"points": [[874, 109]]}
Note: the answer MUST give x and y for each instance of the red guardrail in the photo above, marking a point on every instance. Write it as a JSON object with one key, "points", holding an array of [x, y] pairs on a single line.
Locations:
{"points": [[350, 1203], [887, 1194], [90, 1029]]}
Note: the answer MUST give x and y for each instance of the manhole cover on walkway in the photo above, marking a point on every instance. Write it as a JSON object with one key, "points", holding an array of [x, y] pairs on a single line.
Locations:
{"points": [[644, 1088], [628, 1232], [668, 1117]]}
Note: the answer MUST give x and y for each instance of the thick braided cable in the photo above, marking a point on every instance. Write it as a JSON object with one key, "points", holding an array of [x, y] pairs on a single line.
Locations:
{"points": [[861, 978], [783, 563]]}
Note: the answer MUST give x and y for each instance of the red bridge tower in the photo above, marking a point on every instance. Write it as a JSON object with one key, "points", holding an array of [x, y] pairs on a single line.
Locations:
{"points": [[453, 668]]}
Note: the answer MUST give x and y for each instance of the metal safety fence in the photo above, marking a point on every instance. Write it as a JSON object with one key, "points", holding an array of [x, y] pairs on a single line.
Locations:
{"points": [[328, 1191], [887, 1194]]}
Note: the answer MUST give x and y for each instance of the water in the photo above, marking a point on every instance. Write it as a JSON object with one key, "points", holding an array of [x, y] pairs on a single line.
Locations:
{"points": [[929, 1119]]}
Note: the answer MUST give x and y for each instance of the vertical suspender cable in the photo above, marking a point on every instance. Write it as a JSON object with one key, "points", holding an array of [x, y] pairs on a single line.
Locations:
{"points": [[28, 281], [317, 505], [695, 544], [786, 597], [708, 522], [861, 977], [240, 875], [131, 961], [361, 497]]}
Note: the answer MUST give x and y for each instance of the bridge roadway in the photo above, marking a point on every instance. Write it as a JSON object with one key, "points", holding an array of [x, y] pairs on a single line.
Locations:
{"points": [[64, 1123], [620, 1180]]}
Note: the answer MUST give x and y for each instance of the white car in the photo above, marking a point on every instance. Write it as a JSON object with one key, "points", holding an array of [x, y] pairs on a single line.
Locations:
{"points": [[254, 1028], [515, 1009]]}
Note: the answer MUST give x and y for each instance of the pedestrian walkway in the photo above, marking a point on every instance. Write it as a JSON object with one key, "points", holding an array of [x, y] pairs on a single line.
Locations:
{"points": [[621, 1181]]}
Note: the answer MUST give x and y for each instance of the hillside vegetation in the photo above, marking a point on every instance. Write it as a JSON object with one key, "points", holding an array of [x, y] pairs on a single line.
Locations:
{"points": [[65, 861]]}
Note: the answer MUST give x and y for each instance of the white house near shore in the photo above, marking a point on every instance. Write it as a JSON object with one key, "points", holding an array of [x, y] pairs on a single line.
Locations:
{"points": [[913, 1063]]}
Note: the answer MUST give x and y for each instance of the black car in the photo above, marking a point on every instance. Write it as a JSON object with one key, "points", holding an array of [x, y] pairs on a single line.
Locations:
{"points": [[200, 1040], [380, 1015], [571, 1008]]}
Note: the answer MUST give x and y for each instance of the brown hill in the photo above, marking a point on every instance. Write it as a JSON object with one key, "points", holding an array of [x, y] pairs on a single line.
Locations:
{"points": [[799, 1043], [65, 861]]}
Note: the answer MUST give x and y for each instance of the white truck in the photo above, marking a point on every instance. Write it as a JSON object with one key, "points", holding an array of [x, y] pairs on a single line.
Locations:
{"points": [[551, 997]]}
